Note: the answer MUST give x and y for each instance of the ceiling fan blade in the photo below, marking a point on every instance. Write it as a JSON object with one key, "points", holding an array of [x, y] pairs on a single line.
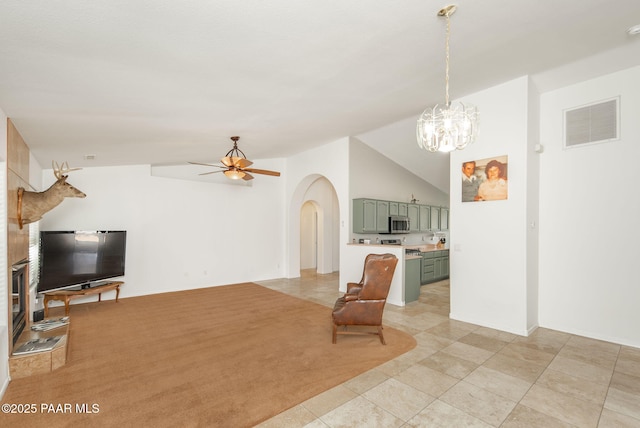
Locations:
{"points": [[263, 171], [211, 172], [242, 163], [247, 176], [206, 164]]}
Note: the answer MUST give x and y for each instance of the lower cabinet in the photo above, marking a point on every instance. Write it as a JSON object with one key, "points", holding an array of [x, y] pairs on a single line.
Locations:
{"points": [[412, 280], [435, 266]]}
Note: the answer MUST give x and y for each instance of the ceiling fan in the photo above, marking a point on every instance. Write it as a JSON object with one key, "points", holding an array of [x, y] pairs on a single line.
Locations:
{"points": [[235, 165]]}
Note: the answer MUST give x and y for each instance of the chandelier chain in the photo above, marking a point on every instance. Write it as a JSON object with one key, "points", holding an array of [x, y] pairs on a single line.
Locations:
{"points": [[451, 126], [446, 74]]}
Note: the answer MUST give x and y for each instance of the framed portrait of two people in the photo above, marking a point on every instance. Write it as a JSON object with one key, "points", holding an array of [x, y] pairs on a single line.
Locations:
{"points": [[485, 179]]}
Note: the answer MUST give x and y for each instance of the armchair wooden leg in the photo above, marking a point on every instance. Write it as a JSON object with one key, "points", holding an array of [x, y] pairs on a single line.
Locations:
{"points": [[335, 333], [380, 334]]}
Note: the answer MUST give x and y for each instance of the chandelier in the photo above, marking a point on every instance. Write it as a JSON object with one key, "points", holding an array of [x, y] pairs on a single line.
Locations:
{"points": [[451, 126]]}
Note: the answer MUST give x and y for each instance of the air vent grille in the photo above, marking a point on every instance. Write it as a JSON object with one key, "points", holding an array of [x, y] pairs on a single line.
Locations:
{"points": [[595, 123]]}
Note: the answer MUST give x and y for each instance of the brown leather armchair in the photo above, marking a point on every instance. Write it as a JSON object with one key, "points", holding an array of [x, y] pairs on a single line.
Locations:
{"points": [[355, 287], [364, 302]]}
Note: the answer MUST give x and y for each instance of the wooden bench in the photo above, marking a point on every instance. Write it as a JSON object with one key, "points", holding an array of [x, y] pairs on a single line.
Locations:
{"points": [[67, 295]]}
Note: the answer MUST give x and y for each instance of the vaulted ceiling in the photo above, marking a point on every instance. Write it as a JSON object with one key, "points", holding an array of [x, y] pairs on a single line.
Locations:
{"points": [[166, 82]]}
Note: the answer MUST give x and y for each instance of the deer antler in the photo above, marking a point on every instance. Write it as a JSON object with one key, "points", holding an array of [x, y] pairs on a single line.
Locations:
{"points": [[60, 171]]}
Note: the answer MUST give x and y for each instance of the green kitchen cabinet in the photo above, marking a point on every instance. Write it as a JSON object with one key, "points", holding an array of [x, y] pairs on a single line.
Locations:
{"points": [[444, 219], [393, 208], [434, 223], [382, 216], [427, 274], [365, 218], [425, 216], [445, 264], [413, 212], [412, 280], [372, 216], [435, 266]]}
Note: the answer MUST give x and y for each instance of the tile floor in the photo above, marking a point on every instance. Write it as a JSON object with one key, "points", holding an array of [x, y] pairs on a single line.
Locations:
{"points": [[464, 375]]}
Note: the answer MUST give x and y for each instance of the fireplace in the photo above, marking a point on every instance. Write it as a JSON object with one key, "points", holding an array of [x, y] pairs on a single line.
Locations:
{"points": [[19, 297]]}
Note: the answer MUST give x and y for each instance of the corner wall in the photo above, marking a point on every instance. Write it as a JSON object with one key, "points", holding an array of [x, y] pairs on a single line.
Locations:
{"points": [[488, 256], [589, 210]]}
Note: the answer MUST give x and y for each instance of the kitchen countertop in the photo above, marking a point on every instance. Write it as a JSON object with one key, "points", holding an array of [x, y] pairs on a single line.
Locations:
{"points": [[423, 248]]}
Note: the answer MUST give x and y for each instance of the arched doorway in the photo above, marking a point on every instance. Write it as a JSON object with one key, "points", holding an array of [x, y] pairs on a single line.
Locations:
{"points": [[309, 236], [314, 205]]}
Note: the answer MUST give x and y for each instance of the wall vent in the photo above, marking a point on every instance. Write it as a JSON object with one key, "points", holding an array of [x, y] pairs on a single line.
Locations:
{"points": [[594, 123]]}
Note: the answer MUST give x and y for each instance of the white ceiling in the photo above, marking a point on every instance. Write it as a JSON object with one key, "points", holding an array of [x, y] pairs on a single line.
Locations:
{"points": [[165, 82]]}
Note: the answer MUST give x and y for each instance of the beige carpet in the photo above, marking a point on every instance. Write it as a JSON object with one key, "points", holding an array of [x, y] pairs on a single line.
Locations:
{"points": [[223, 356]]}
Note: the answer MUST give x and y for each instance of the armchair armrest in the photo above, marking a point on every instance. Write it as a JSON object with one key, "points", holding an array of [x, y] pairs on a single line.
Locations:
{"points": [[353, 287], [349, 297]]}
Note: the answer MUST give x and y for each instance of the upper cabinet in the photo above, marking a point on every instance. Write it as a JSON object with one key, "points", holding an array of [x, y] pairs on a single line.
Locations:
{"points": [[444, 219], [382, 216], [372, 216], [425, 216], [434, 223], [393, 208], [413, 212], [364, 216]]}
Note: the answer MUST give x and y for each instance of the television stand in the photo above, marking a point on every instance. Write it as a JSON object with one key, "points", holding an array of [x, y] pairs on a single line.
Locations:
{"points": [[67, 295]]}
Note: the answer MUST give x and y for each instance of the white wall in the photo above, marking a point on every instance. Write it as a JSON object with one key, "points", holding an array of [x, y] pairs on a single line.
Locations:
{"points": [[322, 199], [533, 208], [331, 162], [488, 257], [180, 234], [4, 288], [560, 252], [589, 212], [375, 176]]}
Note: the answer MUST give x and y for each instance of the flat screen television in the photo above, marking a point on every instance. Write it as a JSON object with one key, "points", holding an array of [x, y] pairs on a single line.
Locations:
{"points": [[79, 258]]}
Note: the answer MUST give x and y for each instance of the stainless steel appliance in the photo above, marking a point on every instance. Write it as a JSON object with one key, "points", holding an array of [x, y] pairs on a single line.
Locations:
{"points": [[398, 224]]}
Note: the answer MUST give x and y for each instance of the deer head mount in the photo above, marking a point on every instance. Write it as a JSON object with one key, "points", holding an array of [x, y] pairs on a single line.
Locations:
{"points": [[33, 205]]}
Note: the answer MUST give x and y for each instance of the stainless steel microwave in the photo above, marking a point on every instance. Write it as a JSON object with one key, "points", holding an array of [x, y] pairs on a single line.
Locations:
{"points": [[398, 224]]}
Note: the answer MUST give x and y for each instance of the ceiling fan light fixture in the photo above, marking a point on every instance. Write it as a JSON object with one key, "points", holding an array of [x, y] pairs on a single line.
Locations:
{"points": [[234, 174], [451, 126], [235, 165]]}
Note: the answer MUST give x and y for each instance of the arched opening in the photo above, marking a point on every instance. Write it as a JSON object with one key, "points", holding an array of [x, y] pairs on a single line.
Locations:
{"points": [[314, 223], [309, 236]]}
